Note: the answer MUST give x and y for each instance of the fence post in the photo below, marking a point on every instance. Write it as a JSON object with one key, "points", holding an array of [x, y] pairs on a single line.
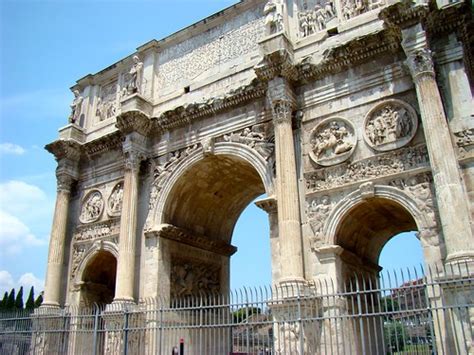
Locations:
{"points": [[125, 332], [160, 330], [96, 329], [300, 321]]}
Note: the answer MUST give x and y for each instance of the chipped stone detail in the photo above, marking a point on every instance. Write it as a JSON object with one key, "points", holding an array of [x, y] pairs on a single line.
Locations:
{"points": [[332, 141], [465, 141], [374, 167], [389, 125], [92, 207]]}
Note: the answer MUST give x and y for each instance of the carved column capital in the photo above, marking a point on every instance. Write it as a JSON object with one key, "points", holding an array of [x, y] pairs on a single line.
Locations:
{"points": [[64, 182], [133, 159], [282, 111], [420, 63]]}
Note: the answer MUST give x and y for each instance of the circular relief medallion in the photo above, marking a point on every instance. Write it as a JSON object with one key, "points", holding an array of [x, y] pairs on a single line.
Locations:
{"points": [[332, 141], [390, 125], [92, 207], [114, 204]]}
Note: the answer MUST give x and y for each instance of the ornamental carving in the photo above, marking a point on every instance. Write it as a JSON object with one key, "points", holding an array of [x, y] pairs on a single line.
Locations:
{"points": [[332, 141], [163, 170], [92, 207], [191, 278], [97, 231], [318, 211], [316, 19], [465, 141], [78, 252], [114, 203], [420, 61], [390, 125], [255, 138], [371, 168], [106, 102]]}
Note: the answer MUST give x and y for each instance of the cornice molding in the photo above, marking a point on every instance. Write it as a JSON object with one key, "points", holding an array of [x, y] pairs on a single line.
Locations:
{"points": [[356, 51], [65, 149], [134, 121], [112, 141], [184, 115], [183, 236]]}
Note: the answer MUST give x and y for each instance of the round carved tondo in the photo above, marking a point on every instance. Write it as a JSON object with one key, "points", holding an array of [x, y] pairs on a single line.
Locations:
{"points": [[390, 125], [332, 141], [114, 203], [92, 207]]}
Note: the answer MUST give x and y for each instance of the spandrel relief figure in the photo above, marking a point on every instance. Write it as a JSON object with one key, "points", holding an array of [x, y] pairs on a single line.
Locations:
{"points": [[92, 207], [273, 12], [332, 141], [390, 125], [255, 140], [76, 107], [115, 200], [318, 211]]}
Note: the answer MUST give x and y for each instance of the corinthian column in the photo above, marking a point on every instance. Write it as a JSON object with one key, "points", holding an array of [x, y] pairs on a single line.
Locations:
{"points": [[451, 198], [52, 290], [128, 229], [289, 223]]}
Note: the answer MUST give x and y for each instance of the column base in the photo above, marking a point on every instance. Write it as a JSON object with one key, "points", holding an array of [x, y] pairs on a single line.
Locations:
{"points": [[460, 257], [49, 305]]}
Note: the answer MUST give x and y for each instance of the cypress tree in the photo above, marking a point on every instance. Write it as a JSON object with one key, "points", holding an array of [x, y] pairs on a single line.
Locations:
{"points": [[19, 299], [11, 301], [3, 303], [30, 302], [39, 301]]}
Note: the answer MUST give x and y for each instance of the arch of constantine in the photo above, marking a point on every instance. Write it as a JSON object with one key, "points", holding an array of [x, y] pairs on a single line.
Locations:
{"points": [[354, 117]]}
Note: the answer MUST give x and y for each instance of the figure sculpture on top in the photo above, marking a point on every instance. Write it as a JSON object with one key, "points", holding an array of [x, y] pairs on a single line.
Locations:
{"points": [[135, 72], [76, 107], [273, 12]]}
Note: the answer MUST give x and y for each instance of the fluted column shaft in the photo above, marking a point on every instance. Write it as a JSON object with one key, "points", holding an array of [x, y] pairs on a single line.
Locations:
{"points": [[452, 201], [288, 207], [52, 291], [124, 291]]}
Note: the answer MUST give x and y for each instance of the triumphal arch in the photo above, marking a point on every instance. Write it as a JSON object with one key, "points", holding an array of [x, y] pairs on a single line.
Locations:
{"points": [[354, 117]]}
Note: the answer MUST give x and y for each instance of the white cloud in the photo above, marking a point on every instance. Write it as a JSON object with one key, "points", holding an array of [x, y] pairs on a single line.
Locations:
{"points": [[18, 197], [15, 235], [10, 148], [29, 279], [6, 282], [26, 280]]}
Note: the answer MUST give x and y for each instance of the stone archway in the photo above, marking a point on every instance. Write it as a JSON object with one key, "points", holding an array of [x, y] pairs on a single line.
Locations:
{"points": [[98, 279]]}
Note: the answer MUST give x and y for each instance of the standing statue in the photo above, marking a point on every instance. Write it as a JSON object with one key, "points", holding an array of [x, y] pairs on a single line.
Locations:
{"points": [[76, 106], [273, 12], [135, 76]]}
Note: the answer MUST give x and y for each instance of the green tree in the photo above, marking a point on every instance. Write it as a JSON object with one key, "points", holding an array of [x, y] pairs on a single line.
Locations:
{"points": [[39, 301], [19, 299], [395, 336], [3, 303], [11, 301], [243, 313], [30, 302]]}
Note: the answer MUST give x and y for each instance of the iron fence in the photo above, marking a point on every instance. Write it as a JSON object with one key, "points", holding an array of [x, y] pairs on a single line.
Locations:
{"points": [[404, 312]]}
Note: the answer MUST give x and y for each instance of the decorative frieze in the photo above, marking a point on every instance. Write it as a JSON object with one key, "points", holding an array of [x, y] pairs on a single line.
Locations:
{"points": [[255, 139], [92, 207], [332, 141], [371, 168], [97, 231], [316, 19], [191, 277], [391, 124]]}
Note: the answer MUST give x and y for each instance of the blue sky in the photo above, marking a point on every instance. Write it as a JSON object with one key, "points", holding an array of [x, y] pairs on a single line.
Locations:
{"points": [[46, 45]]}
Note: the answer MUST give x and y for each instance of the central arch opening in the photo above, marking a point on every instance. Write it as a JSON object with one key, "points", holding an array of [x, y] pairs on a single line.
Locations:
{"points": [[203, 207]]}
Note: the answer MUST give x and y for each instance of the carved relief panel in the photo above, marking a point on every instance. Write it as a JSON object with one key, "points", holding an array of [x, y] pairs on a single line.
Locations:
{"points": [[390, 125], [315, 16], [193, 277], [92, 207], [332, 141], [107, 102], [114, 204]]}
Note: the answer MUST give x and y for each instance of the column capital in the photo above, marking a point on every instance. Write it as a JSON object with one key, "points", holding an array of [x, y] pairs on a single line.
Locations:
{"points": [[420, 63], [282, 111], [133, 159]]}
